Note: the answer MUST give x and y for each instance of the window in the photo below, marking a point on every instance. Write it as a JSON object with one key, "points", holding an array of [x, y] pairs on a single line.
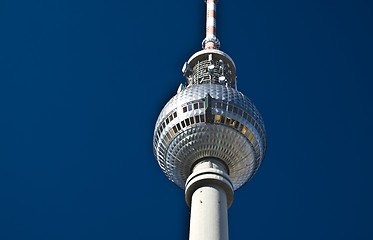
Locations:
{"points": [[167, 121], [235, 110], [171, 117], [201, 105], [185, 109], [228, 121], [232, 122], [218, 105], [240, 128], [217, 118], [230, 108], [183, 124], [172, 132], [197, 119], [195, 106], [251, 136], [245, 115], [240, 112], [175, 114], [175, 129], [244, 130], [224, 106], [178, 126], [202, 118], [187, 121], [237, 123], [191, 120], [190, 108], [248, 132], [222, 119]]}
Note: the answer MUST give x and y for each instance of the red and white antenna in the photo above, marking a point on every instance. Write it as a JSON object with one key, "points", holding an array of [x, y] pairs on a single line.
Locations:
{"points": [[211, 41]]}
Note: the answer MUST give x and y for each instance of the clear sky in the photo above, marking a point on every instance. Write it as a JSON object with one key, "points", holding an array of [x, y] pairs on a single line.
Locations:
{"points": [[82, 84]]}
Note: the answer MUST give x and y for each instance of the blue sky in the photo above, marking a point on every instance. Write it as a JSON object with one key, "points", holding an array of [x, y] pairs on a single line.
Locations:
{"points": [[82, 84]]}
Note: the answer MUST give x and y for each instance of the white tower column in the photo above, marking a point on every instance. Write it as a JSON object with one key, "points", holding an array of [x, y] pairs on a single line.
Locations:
{"points": [[209, 194]]}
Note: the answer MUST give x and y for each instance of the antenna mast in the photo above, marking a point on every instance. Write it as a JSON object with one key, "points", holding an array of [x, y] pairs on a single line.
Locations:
{"points": [[211, 41]]}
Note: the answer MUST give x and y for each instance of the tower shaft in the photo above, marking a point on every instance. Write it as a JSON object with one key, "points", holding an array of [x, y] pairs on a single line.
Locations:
{"points": [[209, 193], [209, 216]]}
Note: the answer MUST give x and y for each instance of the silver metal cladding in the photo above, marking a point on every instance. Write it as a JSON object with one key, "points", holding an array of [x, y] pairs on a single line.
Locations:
{"points": [[209, 120]]}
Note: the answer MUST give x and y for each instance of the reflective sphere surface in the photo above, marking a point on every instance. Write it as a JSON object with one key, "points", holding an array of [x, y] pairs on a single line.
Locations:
{"points": [[209, 120]]}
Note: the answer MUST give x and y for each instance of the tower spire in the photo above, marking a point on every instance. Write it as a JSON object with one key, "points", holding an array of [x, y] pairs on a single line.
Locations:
{"points": [[211, 41]]}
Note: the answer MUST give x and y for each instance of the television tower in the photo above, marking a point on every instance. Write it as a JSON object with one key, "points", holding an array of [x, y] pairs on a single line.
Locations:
{"points": [[209, 139]]}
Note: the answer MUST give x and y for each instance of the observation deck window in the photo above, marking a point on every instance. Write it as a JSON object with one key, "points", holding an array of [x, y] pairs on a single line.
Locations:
{"points": [[222, 119], [197, 119], [232, 122], [251, 136], [248, 132], [168, 136], [228, 121], [191, 120], [175, 129], [244, 131], [202, 118]]}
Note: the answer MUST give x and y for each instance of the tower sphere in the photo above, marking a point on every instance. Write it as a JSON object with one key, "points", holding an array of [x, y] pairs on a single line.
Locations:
{"points": [[209, 118]]}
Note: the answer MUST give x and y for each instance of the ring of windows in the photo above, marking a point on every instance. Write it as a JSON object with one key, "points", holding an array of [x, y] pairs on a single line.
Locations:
{"points": [[218, 118]]}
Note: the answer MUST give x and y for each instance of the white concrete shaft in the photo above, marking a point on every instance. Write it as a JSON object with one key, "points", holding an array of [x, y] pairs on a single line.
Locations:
{"points": [[209, 215], [209, 193]]}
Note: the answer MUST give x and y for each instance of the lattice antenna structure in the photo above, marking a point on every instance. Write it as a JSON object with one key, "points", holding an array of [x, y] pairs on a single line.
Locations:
{"points": [[209, 139]]}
